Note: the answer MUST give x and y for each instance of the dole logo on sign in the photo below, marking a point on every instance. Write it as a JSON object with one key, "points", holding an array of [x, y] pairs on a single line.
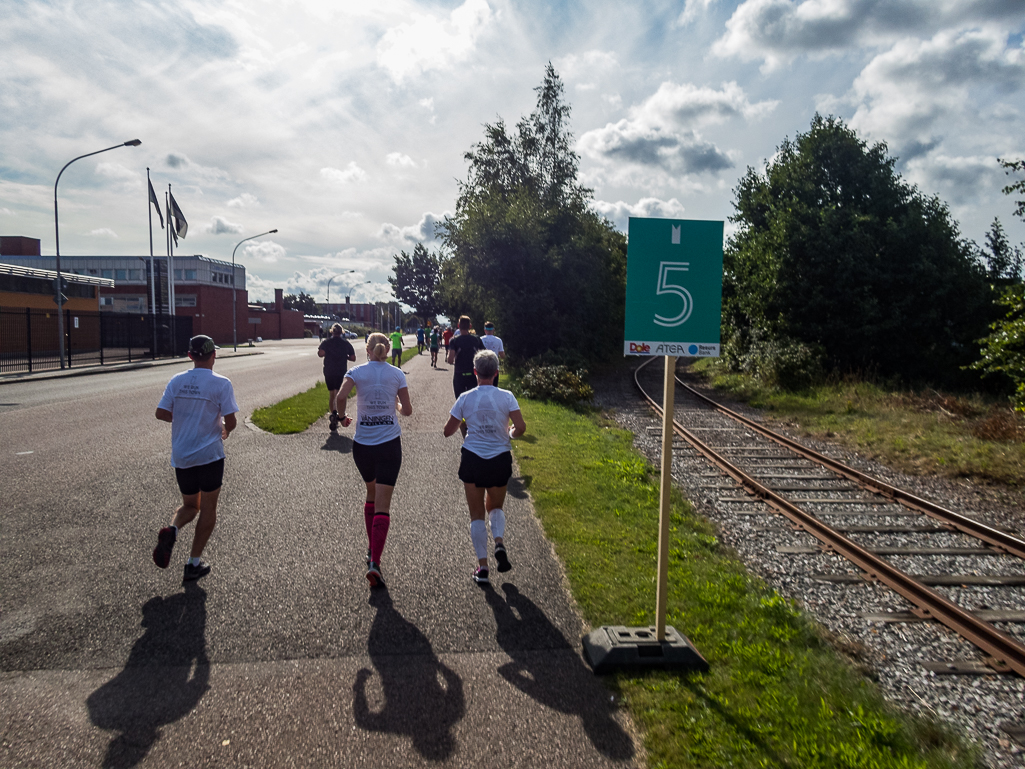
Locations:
{"points": [[642, 347]]}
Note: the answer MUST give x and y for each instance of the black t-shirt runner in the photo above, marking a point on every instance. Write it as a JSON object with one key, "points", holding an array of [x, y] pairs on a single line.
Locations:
{"points": [[466, 346], [336, 354]]}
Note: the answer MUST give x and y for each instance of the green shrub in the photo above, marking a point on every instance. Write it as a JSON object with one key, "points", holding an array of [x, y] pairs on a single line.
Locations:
{"points": [[555, 383], [782, 362]]}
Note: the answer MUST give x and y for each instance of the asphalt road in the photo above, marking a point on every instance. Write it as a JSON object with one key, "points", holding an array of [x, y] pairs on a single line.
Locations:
{"points": [[282, 656]]}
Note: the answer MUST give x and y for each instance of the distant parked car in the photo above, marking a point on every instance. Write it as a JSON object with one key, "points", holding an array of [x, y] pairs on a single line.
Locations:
{"points": [[351, 335]]}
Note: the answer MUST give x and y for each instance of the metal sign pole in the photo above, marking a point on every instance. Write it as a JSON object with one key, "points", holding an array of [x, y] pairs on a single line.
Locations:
{"points": [[669, 396]]}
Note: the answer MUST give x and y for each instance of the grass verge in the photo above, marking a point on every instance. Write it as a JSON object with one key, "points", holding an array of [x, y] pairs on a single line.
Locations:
{"points": [[777, 693], [296, 414], [922, 433]]}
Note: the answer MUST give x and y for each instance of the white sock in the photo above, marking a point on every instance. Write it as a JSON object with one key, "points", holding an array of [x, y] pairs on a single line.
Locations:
{"points": [[479, 535], [193, 562], [497, 517]]}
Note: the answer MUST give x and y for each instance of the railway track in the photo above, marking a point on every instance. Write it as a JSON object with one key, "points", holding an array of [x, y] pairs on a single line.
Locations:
{"points": [[938, 553]]}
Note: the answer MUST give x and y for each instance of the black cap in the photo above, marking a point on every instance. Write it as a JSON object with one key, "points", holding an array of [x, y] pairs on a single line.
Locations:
{"points": [[202, 345]]}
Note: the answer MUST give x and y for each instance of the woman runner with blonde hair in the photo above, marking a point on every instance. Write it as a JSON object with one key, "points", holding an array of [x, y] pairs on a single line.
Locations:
{"points": [[381, 390]]}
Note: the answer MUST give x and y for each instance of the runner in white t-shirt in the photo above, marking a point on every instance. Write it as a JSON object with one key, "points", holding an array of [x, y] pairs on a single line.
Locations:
{"points": [[486, 463], [200, 405], [493, 343], [376, 446]]}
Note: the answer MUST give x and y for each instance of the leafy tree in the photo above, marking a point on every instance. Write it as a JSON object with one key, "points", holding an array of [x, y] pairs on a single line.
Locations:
{"points": [[1004, 260], [303, 303], [1003, 351], [838, 263], [416, 280], [527, 252], [1015, 186]]}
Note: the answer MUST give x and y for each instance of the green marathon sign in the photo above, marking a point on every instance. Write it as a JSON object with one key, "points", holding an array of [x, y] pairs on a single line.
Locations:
{"points": [[673, 287]]}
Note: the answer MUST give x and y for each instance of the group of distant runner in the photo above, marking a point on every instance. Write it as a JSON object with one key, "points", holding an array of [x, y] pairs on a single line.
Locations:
{"points": [[201, 407]]}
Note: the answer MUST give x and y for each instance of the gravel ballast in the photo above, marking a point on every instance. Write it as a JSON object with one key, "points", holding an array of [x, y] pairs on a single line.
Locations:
{"points": [[985, 708]]}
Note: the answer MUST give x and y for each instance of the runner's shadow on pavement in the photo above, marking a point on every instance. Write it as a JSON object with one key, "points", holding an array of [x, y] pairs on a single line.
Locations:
{"points": [[559, 681], [165, 677], [337, 442], [415, 701], [518, 486]]}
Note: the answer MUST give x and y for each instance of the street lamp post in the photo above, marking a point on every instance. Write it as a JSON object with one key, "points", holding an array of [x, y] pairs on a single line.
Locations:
{"points": [[234, 289], [329, 284], [57, 242], [348, 294]]}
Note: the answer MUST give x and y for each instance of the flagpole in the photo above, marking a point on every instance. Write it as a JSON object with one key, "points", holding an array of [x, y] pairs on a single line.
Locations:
{"points": [[170, 274], [152, 274], [174, 310]]}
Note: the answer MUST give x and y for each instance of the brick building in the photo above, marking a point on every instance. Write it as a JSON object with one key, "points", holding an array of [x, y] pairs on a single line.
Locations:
{"points": [[377, 316], [202, 289]]}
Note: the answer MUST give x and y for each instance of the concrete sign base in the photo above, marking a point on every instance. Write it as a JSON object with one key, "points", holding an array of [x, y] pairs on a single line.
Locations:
{"points": [[616, 646]]}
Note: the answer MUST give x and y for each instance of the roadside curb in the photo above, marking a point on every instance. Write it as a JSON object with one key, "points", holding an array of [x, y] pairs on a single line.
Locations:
{"points": [[111, 369]]}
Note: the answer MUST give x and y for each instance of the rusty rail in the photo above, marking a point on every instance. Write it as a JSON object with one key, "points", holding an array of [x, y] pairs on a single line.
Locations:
{"points": [[1005, 653]]}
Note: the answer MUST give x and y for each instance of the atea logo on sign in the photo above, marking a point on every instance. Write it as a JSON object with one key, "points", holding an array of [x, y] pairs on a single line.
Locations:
{"points": [[673, 287]]}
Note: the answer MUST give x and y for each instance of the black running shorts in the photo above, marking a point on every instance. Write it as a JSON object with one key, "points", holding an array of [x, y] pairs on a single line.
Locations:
{"points": [[463, 381], [379, 463], [485, 473], [192, 480], [334, 381]]}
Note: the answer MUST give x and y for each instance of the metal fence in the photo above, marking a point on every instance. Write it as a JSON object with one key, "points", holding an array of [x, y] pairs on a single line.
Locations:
{"points": [[28, 338]]}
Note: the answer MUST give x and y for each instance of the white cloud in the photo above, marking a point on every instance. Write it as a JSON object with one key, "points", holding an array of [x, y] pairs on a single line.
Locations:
{"points": [[117, 173], [103, 232], [918, 90], [233, 100], [221, 226], [400, 160], [431, 43], [620, 212], [586, 65], [692, 9], [777, 31], [315, 283], [179, 163], [957, 179], [352, 173], [266, 251], [425, 231], [245, 200], [661, 132]]}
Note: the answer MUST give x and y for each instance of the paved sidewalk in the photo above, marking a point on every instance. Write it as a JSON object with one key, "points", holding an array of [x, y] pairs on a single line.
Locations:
{"points": [[282, 656], [112, 368]]}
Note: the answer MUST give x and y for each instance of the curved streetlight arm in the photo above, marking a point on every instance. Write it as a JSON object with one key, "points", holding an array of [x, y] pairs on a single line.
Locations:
{"points": [[57, 240], [234, 289], [329, 284], [268, 232], [132, 143]]}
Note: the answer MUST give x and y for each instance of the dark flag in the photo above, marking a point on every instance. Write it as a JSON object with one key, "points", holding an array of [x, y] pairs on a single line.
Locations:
{"points": [[180, 225], [174, 235], [155, 202]]}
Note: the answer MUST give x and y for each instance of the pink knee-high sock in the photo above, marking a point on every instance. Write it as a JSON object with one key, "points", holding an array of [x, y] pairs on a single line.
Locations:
{"points": [[378, 535], [368, 517]]}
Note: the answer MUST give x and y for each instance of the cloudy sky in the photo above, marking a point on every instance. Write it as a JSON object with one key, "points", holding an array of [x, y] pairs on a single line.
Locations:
{"points": [[343, 124]]}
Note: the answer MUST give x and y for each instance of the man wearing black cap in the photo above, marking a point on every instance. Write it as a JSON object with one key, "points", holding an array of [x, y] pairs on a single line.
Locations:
{"points": [[200, 405]]}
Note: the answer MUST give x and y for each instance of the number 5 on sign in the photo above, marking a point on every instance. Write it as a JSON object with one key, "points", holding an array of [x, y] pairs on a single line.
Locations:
{"points": [[673, 287], [665, 287]]}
